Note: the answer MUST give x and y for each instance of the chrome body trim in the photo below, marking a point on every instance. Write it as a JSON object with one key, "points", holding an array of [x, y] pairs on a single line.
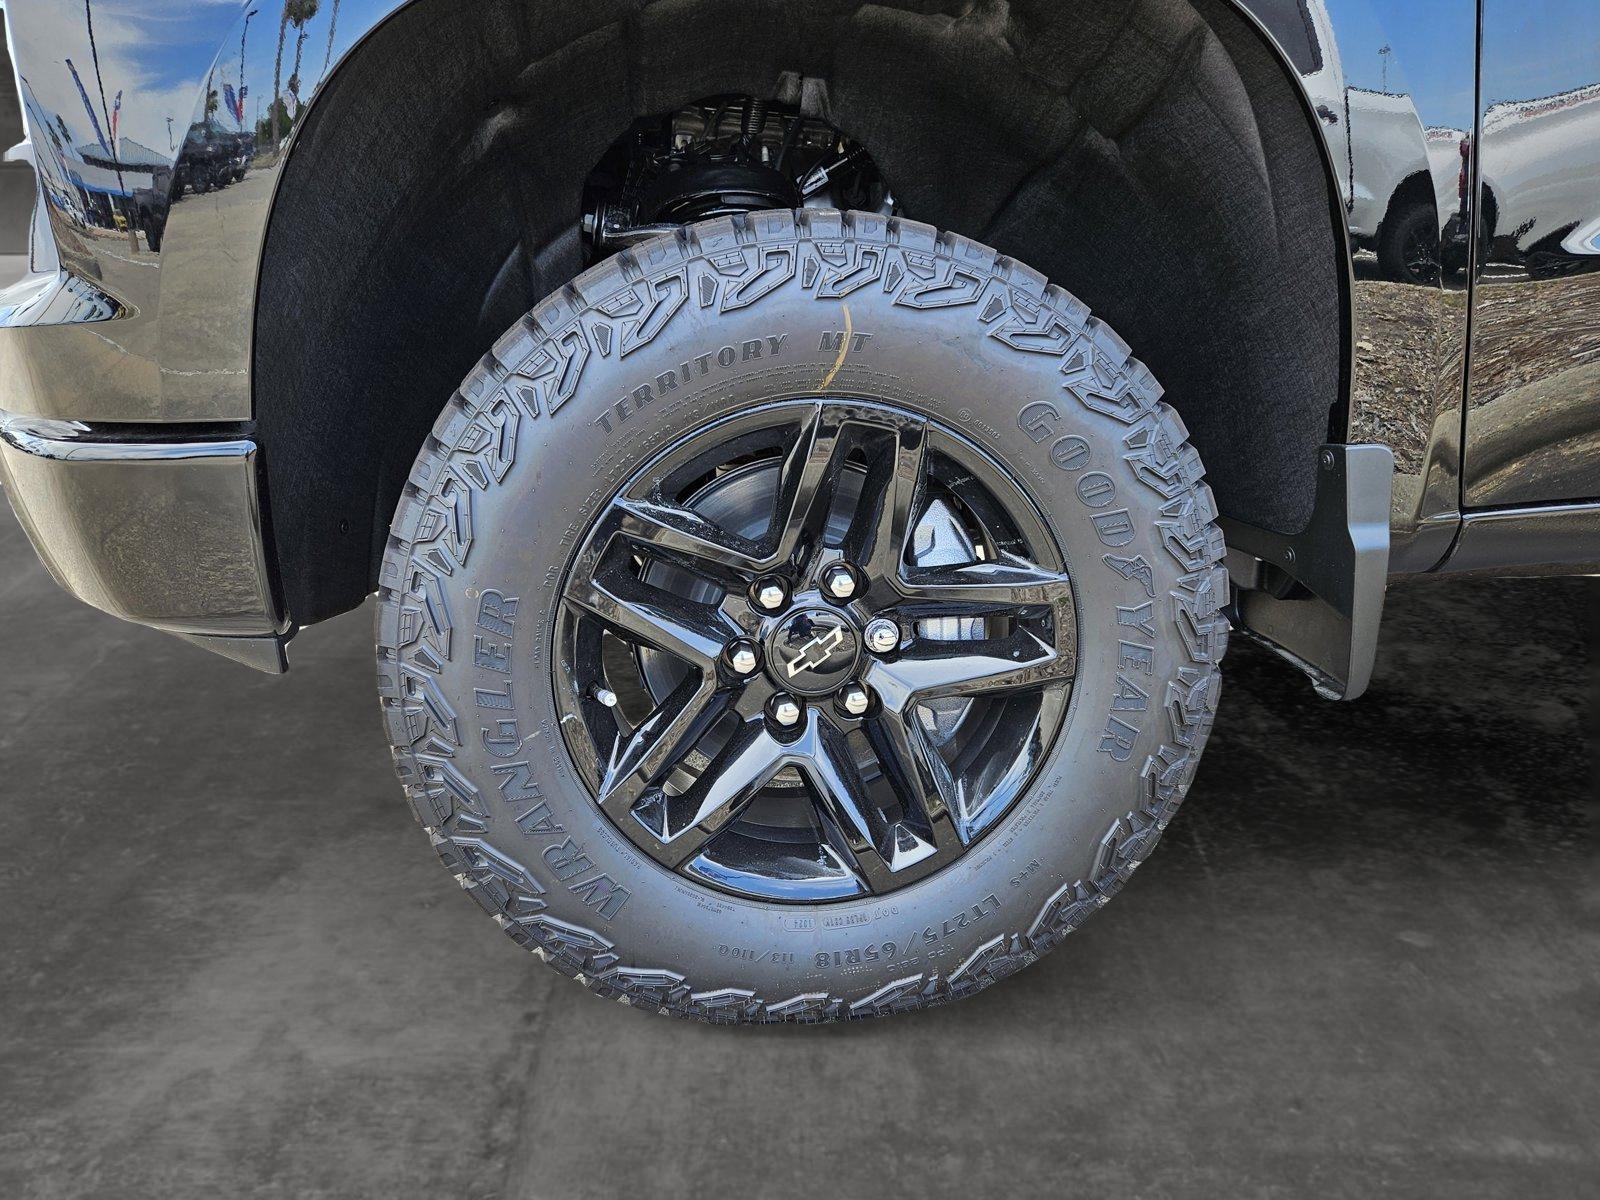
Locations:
{"points": [[167, 534], [73, 441]]}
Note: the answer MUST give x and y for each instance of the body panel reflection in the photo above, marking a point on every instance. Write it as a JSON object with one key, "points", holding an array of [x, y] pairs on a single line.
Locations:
{"points": [[1533, 421]]}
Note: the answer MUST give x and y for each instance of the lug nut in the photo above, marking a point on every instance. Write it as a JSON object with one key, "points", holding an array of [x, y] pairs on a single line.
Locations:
{"points": [[883, 635], [855, 699], [770, 593], [784, 710], [742, 656], [840, 581]]}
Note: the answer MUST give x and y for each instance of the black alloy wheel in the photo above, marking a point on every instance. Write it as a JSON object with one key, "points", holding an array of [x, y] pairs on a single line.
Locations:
{"points": [[769, 679], [802, 616]]}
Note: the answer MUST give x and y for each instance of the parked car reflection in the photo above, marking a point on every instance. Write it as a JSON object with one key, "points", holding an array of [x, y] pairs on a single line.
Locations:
{"points": [[1533, 422], [1399, 178], [213, 157], [121, 185], [1541, 182]]}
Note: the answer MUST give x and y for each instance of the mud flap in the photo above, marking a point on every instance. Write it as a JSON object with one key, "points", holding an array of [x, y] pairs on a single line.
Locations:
{"points": [[1316, 597]]}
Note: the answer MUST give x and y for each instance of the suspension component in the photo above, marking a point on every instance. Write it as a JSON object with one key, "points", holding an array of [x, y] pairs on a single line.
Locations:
{"points": [[721, 156]]}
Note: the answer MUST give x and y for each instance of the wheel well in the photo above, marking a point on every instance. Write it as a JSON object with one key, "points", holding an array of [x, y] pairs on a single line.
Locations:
{"points": [[1416, 188], [1152, 156]]}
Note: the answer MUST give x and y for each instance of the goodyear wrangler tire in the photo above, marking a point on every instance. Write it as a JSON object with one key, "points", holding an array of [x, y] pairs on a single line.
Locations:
{"points": [[808, 616]]}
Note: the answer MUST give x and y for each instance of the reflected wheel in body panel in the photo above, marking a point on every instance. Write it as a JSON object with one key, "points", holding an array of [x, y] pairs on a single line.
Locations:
{"points": [[806, 616], [1408, 245]]}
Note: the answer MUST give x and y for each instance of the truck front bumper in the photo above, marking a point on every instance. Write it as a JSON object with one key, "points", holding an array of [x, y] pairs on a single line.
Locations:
{"points": [[156, 524]]}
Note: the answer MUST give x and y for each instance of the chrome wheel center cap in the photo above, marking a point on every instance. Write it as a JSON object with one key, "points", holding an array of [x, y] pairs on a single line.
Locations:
{"points": [[813, 652]]}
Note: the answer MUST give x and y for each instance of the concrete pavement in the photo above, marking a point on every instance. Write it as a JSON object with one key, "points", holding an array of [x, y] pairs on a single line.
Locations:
{"points": [[1364, 961]]}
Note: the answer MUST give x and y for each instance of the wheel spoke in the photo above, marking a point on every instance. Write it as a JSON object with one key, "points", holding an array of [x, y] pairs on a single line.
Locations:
{"points": [[930, 669], [749, 760], [886, 512], [693, 632], [659, 742], [919, 775], [845, 800], [1009, 581], [683, 533], [925, 836], [807, 483]]}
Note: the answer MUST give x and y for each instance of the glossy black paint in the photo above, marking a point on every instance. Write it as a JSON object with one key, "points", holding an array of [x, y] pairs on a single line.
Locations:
{"points": [[756, 775]]}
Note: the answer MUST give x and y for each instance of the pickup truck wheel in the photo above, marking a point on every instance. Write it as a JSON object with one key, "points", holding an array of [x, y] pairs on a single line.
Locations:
{"points": [[1408, 245], [806, 616]]}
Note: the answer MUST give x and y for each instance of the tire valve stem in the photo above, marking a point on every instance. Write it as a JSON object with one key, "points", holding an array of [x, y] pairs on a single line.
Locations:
{"points": [[606, 696]]}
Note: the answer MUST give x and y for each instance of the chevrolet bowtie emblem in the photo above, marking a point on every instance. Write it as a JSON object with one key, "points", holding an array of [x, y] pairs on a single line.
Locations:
{"points": [[815, 652]]}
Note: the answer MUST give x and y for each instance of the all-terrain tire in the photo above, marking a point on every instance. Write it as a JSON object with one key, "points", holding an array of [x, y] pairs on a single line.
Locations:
{"points": [[598, 379], [1416, 223]]}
